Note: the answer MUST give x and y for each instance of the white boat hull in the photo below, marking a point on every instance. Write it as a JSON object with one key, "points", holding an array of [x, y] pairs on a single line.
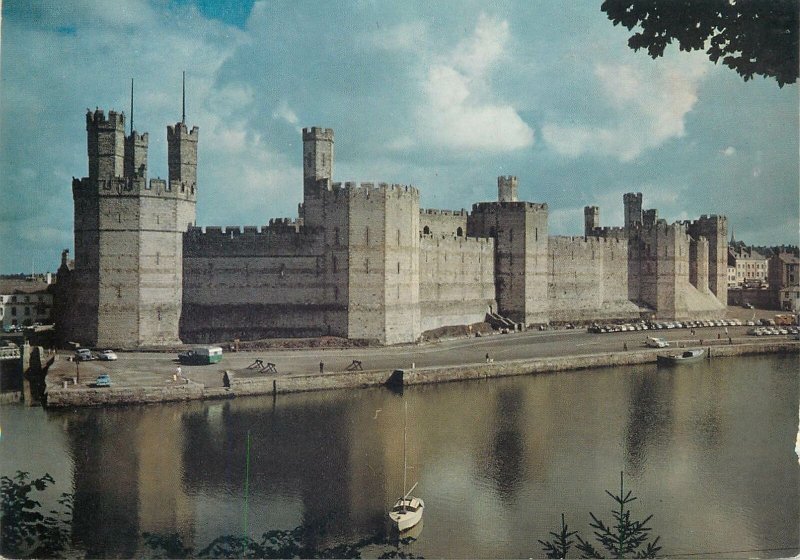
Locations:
{"points": [[406, 518]]}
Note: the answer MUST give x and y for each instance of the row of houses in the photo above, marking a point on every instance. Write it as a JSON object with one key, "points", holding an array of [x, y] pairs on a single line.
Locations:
{"points": [[25, 301], [770, 281]]}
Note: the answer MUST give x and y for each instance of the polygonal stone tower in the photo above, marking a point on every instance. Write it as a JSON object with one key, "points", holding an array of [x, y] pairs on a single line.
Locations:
{"points": [[317, 171], [507, 187], [633, 209], [128, 237], [591, 219]]}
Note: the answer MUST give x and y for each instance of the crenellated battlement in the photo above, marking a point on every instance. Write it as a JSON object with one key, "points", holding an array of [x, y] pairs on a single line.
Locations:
{"points": [[436, 212], [587, 241], [609, 231], [128, 186], [488, 206], [97, 119], [448, 238], [279, 238], [318, 133], [180, 130], [355, 189], [142, 138]]}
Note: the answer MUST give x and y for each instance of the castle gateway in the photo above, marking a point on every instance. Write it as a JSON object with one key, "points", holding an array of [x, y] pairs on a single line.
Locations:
{"points": [[361, 261]]}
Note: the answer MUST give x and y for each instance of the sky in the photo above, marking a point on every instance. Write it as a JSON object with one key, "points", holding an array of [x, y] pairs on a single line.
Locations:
{"points": [[444, 96]]}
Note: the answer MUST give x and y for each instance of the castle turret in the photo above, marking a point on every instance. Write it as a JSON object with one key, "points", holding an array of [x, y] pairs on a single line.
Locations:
{"points": [[633, 209], [182, 157], [507, 188], [105, 144], [591, 219], [136, 155], [317, 157], [317, 172], [650, 217]]}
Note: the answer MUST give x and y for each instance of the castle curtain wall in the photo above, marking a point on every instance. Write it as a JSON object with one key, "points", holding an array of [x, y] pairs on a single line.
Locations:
{"points": [[456, 280]]}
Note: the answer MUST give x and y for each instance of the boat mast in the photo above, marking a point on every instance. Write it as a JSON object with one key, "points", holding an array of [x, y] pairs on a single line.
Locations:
{"points": [[405, 436]]}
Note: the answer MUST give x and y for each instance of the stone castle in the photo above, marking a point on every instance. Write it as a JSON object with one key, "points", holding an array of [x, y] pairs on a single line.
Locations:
{"points": [[361, 261]]}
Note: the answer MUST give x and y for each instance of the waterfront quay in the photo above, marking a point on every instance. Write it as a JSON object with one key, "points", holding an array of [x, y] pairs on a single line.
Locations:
{"points": [[144, 377]]}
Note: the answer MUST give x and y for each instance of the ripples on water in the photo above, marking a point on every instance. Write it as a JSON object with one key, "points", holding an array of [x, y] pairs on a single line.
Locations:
{"points": [[708, 449]]}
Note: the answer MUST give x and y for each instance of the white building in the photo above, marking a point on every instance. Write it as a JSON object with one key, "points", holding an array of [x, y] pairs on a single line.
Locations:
{"points": [[25, 301]]}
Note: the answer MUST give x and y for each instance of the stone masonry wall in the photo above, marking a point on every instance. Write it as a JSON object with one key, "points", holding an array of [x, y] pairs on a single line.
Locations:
{"points": [[456, 280], [586, 280], [256, 283], [383, 282], [443, 222]]}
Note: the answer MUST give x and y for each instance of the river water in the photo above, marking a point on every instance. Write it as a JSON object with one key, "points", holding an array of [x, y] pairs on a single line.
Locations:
{"points": [[708, 449]]}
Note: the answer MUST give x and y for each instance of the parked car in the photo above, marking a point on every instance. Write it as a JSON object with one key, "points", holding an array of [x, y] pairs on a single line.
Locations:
{"points": [[747, 305], [107, 355], [84, 355], [103, 381], [654, 342]]}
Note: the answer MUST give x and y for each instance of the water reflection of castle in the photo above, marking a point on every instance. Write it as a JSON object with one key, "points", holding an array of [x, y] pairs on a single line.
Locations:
{"points": [[518, 451]]}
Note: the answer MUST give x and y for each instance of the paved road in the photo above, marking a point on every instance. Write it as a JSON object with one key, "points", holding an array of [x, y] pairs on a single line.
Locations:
{"points": [[156, 368]]}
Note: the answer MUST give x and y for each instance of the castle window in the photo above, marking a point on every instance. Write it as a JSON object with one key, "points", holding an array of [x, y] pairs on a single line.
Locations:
{"points": [[158, 258], [27, 299], [460, 232], [334, 264], [159, 313], [536, 234], [119, 217], [398, 267], [336, 293], [398, 237], [366, 265], [426, 230], [336, 236], [13, 311], [366, 235], [510, 235]]}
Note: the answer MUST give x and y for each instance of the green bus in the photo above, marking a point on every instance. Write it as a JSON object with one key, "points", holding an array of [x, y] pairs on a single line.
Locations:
{"points": [[201, 355]]}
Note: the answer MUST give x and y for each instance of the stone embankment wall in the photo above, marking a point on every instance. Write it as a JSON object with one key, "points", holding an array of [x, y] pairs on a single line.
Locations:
{"points": [[58, 396]]}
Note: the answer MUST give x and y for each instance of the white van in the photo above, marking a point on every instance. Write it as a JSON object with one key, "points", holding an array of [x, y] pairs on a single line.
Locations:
{"points": [[654, 342]]}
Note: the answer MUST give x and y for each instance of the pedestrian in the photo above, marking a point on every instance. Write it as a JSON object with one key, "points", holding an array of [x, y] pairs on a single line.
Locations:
{"points": [[625, 346], [730, 340], [178, 374], [487, 357], [321, 367]]}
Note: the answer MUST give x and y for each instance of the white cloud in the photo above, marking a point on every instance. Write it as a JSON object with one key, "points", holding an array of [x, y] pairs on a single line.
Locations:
{"points": [[648, 102], [459, 110], [729, 151], [285, 113]]}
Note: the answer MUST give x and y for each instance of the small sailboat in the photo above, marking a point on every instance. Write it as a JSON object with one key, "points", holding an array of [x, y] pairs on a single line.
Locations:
{"points": [[407, 511]]}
